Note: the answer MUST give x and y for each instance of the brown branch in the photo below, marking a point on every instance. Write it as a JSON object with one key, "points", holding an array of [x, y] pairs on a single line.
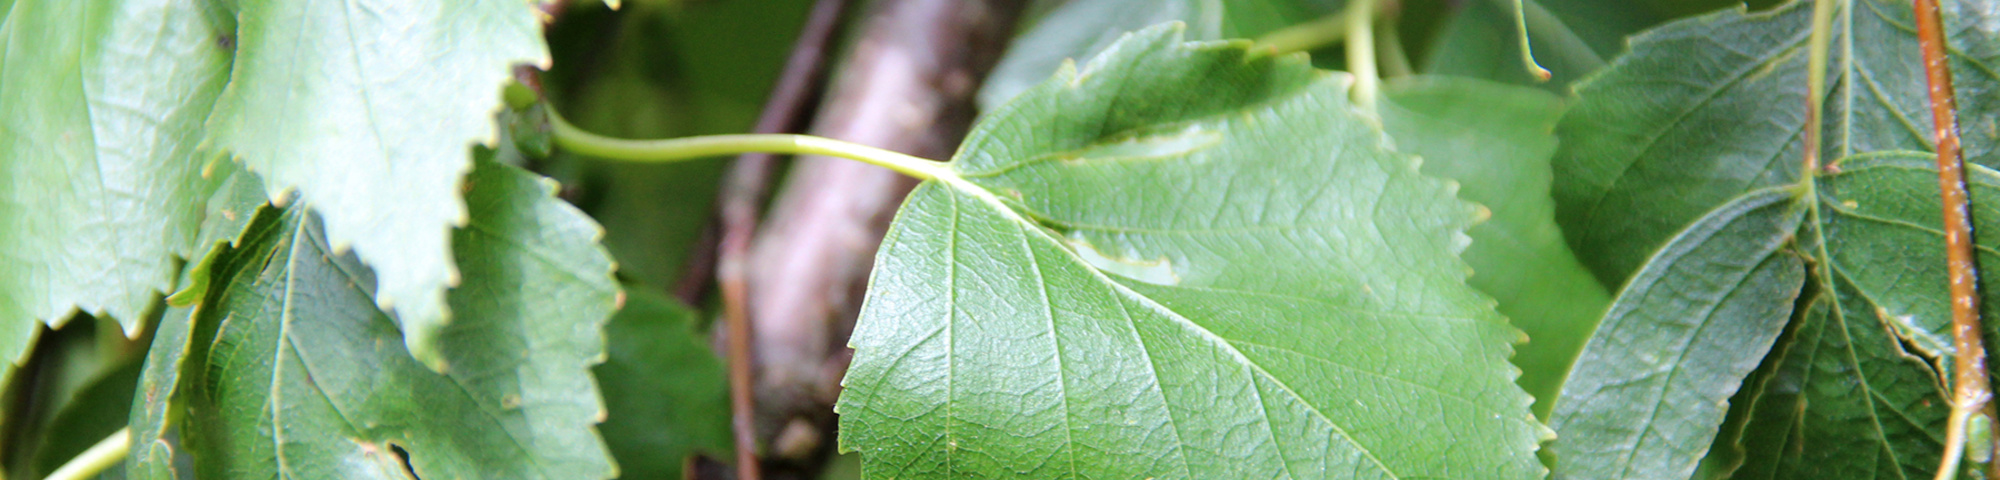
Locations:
{"points": [[1970, 393], [907, 85], [742, 191]]}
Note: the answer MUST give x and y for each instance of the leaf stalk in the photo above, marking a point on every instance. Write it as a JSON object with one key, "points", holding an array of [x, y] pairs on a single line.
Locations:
{"points": [[99, 457], [1528, 50], [1816, 60], [743, 193], [577, 140], [1361, 53]]}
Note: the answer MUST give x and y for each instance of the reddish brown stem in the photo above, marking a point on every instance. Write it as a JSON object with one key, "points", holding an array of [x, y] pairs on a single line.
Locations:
{"points": [[742, 191], [1970, 391]]}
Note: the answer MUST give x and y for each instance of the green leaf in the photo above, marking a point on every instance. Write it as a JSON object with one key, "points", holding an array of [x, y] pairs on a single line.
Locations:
{"points": [[1495, 141], [666, 392], [1706, 109], [1862, 380], [1856, 388], [1079, 29], [368, 109], [1649, 392], [294, 338], [1122, 276], [156, 401], [1869, 410], [104, 102]]}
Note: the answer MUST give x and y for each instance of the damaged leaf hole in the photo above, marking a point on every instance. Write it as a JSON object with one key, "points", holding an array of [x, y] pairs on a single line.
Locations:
{"points": [[402, 456]]}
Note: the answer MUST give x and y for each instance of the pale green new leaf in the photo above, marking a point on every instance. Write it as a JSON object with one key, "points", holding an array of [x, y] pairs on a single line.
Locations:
{"points": [[1186, 261], [294, 373], [1650, 390], [368, 108], [100, 182], [1495, 141], [1705, 109]]}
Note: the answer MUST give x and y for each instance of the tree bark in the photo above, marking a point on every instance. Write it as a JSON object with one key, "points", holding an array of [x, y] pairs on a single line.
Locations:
{"points": [[908, 86]]}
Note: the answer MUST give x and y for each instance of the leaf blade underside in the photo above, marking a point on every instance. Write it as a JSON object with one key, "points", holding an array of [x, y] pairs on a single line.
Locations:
{"points": [[1649, 392], [1709, 108], [104, 100], [1855, 386], [398, 91], [1018, 325], [293, 337]]}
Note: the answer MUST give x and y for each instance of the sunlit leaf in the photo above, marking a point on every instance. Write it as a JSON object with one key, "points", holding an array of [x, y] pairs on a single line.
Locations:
{"points": [[368, 109], [103, 103]]}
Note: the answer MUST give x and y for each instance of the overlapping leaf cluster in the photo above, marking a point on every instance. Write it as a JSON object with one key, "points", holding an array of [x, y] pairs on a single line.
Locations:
{"points": [[1181, 260], [143, 145], [116, 109], [1779, 321]]}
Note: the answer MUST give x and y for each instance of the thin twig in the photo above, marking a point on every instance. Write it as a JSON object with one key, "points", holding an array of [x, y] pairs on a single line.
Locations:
{"points": [[742, 191], [1970, 393], [1361, 53], [1816, 81], [747, 183], [1528, 49]]}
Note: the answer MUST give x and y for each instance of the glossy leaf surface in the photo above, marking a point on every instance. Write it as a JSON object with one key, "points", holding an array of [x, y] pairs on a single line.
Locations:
{"points": [[1120, 279]]}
